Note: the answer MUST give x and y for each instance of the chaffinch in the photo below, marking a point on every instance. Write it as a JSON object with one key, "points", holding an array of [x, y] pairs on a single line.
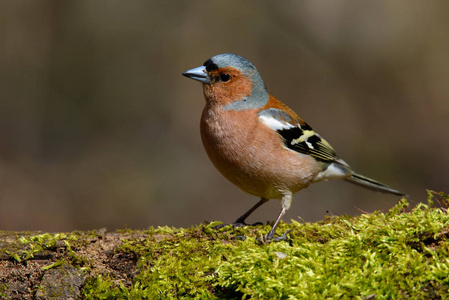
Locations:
{"points": [[258, 143]]}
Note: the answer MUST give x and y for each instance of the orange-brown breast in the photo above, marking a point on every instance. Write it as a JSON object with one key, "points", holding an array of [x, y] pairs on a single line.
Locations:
{"points": [[251, 155]]}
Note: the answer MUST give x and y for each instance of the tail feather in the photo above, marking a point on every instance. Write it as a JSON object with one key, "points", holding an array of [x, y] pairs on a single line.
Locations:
{"points": [[372, 184]]}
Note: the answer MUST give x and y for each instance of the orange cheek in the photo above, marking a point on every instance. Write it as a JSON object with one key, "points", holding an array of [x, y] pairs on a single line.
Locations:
{"points": [[224, 93], [239, 88]]}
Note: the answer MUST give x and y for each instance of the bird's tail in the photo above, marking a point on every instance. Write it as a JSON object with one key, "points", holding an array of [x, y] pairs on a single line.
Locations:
{"points": [[372, 184]]}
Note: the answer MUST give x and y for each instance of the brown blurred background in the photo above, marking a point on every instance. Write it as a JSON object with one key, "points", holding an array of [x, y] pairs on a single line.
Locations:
{"points": [[99, 129]]}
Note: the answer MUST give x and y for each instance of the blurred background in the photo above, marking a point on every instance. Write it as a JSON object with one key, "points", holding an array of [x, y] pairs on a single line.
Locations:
{"points": [[99, 129]]}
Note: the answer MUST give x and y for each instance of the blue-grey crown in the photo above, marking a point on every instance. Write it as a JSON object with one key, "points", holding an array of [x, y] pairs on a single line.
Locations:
{"points": [[259, 95]]}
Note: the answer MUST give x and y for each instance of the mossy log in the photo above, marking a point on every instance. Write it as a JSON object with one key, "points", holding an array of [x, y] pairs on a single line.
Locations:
{"points": [[403, 253]]}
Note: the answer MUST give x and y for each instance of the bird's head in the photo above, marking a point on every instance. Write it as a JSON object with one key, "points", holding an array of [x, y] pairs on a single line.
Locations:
{"points": [[231, 81]]}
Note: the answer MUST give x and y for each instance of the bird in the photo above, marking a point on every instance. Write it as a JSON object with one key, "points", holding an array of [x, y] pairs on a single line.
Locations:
{"points": [[258, 143]]}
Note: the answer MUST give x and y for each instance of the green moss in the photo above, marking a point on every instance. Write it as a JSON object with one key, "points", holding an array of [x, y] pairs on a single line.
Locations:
{"points": [[29, 244], [391, 255], [403, 253], [3, 288]]}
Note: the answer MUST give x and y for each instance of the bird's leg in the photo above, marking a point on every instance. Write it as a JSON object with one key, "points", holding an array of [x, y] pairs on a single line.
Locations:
{"points": [[270, 235], [285, 202], [240, 222]]}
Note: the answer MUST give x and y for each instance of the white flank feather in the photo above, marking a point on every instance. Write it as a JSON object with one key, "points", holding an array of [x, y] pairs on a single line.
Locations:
{"points": [[275, 124], [332, 172]]}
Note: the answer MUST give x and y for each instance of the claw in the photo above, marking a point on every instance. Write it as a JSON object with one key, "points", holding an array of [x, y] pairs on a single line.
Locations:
{"points": [[237, 225], [219, 226], [243, 224], [267, 238], [281, 238]]}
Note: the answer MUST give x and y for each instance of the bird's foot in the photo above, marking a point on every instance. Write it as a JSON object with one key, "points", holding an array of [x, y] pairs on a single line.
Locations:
{"points": [[281, 238], [243, 224], [237, 224], [265, 239]]}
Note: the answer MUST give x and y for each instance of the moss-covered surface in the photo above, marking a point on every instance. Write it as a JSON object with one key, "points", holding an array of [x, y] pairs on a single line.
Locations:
{"points": [[400, 254]]}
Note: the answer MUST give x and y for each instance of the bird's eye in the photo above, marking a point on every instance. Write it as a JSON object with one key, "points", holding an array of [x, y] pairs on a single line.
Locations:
{"points": [[225, 77]]}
